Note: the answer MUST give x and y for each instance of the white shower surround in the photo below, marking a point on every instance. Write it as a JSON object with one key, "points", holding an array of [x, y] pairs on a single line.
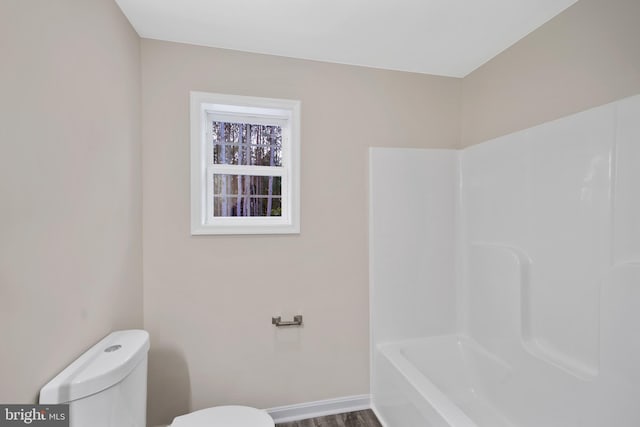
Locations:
{"points": [[505, 278]]}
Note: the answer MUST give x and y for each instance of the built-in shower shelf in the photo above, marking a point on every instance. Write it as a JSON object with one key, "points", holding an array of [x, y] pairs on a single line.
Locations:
{"points": [[509, 279], [561, 361]]}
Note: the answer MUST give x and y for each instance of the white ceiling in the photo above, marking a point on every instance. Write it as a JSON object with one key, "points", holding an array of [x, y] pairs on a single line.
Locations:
{"points": [[442, 37]]}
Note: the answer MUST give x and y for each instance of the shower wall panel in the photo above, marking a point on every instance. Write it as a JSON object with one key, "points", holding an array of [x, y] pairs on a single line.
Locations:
{"points": [[412, 242]]}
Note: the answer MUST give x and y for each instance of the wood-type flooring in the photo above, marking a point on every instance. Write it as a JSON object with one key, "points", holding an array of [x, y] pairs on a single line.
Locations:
{"points": [[350, 419]]}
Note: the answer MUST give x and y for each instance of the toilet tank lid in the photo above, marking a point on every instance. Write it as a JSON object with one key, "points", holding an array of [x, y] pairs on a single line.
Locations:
{"points": [[103, 365]]}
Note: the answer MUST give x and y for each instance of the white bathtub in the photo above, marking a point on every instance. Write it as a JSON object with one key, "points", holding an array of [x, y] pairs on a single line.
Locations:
{"points": [[438, 381], [452, 381]]}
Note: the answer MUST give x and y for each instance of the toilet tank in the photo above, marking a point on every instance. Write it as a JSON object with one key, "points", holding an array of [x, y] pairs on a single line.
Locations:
{"points": [[107, 385]]}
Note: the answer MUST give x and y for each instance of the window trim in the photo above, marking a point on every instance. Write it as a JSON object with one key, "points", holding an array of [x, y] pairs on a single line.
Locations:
{"points": [[204, 104]]}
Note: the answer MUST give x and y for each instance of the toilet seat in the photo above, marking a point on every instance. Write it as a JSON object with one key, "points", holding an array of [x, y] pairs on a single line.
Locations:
{"points": [[225, 416]]}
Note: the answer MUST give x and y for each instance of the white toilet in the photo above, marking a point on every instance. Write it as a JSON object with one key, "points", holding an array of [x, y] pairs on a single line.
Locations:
{"points": [[227, 416], [107, 387]]}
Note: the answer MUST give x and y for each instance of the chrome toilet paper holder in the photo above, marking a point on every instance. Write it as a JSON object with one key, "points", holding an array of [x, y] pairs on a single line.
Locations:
{"points": [[278, 322]]}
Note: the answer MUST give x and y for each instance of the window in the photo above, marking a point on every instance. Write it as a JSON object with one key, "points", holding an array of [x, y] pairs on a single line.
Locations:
{"points": [[244, 165]]}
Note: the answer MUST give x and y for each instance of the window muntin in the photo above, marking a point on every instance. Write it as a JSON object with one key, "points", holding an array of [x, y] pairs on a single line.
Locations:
{"points": [[247, 195], [246, 143]]}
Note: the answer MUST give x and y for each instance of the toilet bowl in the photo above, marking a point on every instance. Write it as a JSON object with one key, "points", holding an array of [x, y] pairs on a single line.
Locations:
{"points": [[225, 416], [107, 387]]}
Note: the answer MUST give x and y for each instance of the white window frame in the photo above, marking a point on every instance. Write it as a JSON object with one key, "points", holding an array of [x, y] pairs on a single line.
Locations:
{"points": [[246, 109]]}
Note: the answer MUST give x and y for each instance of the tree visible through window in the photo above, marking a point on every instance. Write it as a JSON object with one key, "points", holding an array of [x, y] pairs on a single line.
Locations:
{"points": [[247, 144]]}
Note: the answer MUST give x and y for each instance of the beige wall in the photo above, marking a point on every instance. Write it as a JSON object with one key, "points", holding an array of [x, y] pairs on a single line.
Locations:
{"points": [[587, 56], [209, 299], [70, 188], [70, 210]]}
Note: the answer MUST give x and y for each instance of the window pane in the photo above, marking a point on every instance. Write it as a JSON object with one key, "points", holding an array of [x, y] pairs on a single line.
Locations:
{"points": [[246, 195], [246, 144]]}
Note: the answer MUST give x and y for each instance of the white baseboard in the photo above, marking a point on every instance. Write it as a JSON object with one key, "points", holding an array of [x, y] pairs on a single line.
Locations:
{"points": [[302, 411]]}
